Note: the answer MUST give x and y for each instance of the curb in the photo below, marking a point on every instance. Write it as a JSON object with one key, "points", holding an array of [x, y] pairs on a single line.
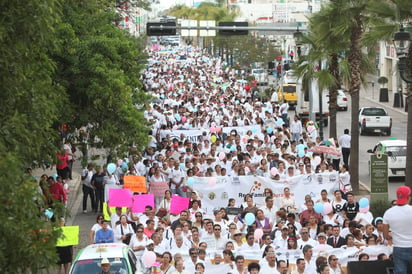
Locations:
{"points": [[386, 106]]}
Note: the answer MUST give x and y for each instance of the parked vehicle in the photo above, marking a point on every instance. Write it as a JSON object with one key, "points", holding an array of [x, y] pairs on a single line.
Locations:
{"points": [[342, 100], [121, 257], [308, 100], [374, 120], [261, 76], [290, 77], [396, 151], [287, 93]]}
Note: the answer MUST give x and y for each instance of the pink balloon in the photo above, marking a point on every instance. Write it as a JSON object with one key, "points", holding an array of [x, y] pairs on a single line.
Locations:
{"points": [[274, 171], [364, 209], [212, 181], [311, 128], [272, 138], [327, 208], [245, 139], [258, 234], [149, 258], [222, 156], [184, 119], [213, 129], [321, 247]]}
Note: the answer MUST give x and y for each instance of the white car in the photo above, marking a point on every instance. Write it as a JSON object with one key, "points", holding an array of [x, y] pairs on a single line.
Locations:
{"points": [[121, 257], [290, 77], [342, 100], [396, 151]]}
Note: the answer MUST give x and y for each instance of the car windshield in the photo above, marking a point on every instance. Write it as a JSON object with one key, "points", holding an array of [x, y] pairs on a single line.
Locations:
{"points": [[258, 71], [118, 265], [289, 89], [374, 112], [396, 150]]}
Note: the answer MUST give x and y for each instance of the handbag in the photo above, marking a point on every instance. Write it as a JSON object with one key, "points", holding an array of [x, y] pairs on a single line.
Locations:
{"points": [[128, 235]]}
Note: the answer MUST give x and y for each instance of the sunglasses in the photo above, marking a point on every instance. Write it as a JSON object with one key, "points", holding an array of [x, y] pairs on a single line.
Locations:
{"points": [[139, 231]]}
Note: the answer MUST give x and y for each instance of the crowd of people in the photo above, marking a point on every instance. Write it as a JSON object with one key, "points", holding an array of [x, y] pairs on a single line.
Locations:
{"points": [[196, 93]]}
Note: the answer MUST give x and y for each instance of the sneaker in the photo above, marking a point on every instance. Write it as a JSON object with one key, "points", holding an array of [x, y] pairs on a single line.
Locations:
{"points": [[84, 211]]}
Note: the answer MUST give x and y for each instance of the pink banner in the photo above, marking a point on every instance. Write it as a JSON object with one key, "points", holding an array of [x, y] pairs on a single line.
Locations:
{"points": [[178, 204], [158, 188], [120, 197], [140, 201]]}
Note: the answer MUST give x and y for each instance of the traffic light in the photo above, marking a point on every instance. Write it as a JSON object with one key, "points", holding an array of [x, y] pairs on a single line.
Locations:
{"points": [[158, 31], [233, 31]]}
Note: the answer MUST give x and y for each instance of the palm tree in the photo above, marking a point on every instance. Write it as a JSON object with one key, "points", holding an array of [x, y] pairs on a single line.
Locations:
{"points": [[390, 15], [351, 22]]}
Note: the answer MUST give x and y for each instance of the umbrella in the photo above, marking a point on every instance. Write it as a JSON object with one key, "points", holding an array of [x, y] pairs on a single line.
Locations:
{"points": [[325, 149]]}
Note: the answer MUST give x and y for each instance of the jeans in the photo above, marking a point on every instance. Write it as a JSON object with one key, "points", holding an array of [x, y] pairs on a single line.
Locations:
{"points": [[99, 192], [296, 136], [285, 119], [88, 191], [402, 259], [178, 191]]}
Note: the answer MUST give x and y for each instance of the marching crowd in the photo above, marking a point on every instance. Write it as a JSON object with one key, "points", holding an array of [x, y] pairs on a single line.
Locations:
{"points": [[194, 92]]}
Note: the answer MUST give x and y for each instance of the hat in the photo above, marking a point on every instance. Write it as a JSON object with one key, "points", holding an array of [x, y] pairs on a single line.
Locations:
{"points": [[149, 242], [237, 232], [284, 227], [322, 235], [104, 261], [378, 219], [403, 193]]}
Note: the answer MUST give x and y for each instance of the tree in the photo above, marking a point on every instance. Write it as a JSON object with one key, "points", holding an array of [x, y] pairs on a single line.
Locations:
{"points": [[99, 66], [389, 16], [351, 24], [30, 104]]}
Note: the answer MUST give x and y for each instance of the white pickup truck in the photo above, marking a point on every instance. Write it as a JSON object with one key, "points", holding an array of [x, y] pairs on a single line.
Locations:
{"points": [[374, 120], [261, 76]]}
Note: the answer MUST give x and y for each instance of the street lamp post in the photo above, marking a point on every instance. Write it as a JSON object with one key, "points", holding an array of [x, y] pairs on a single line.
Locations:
{"points": [[402, 41]]}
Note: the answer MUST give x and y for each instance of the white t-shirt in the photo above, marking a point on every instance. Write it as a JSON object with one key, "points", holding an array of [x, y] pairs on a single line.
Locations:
{"points": [[400, 222]]}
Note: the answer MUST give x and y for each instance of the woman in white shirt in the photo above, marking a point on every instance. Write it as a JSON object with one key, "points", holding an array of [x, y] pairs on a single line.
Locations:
{"points": [[110, 181], [122, 230]]}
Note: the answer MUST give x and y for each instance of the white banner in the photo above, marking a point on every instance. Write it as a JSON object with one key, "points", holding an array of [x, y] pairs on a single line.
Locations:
{"points": [[216, 191]]}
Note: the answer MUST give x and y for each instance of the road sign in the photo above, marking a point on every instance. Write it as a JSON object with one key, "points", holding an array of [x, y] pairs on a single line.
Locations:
{"points": [[236, 28], [207, 23], [161, 28], [189, 32], [379, 175]]}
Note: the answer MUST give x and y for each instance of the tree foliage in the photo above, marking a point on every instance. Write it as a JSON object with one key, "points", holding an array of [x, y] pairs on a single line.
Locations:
{"points": [[99, 64], [60, 64]]}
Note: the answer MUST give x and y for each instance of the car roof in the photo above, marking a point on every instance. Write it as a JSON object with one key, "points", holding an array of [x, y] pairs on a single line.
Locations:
{"points": [[392, 143], [110, 250]]}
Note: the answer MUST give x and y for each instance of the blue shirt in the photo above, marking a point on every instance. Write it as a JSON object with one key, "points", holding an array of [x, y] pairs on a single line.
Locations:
{"points": [[104, 236]]}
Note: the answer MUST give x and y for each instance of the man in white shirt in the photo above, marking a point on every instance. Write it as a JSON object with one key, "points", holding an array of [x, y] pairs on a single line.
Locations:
{"points": [[304, 239], [296, 129], [282, 241], [269, 267], [344, 143], [310, 261], [87, 187], [250, 244], [176, 180], [269, 209], [397, 219]]}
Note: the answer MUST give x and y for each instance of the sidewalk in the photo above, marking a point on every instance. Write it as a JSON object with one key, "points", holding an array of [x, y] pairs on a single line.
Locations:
{"points": [[74, 188], [373, 96]]}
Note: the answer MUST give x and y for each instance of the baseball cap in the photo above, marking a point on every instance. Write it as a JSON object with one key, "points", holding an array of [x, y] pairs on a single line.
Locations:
{"points": [[322, 235], [402, 195]]}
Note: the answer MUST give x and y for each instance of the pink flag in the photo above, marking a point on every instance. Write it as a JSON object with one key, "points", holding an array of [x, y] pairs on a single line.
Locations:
{"points": [[120, 197], [178, 204], [141, 201]]}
